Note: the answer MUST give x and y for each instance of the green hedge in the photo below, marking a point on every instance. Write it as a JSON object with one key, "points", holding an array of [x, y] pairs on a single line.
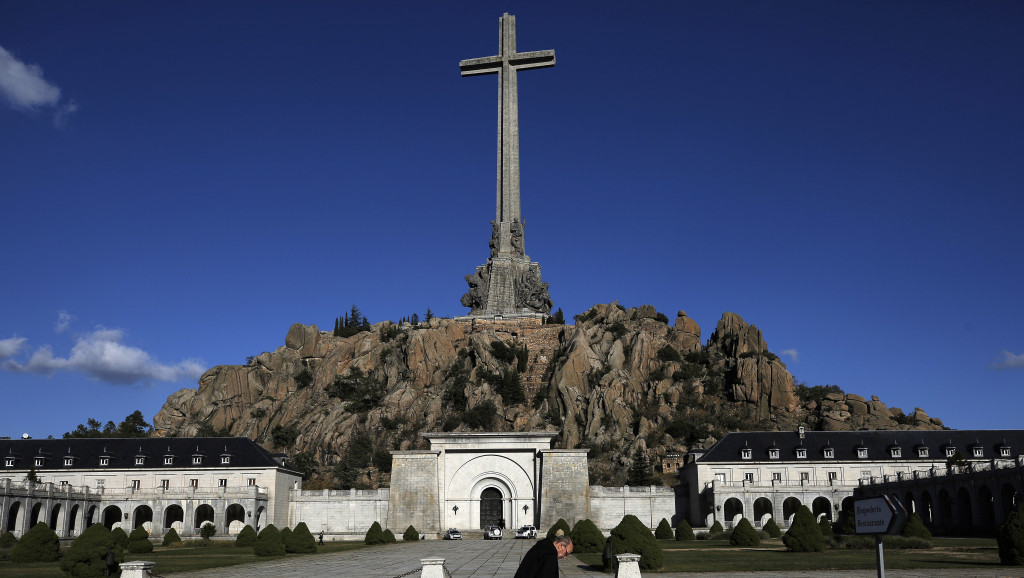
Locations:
{"points": [[245, 538], [744, 535], [664, 530], [301, 540], [411, 535], [86, 557], [172, 537], [633, 537], [375, 535], [1010, 538], [586, 537], [40, 544], [268, 542], [684, 531], [138, 541], [562, 525], [804, 535], [772, 529]]}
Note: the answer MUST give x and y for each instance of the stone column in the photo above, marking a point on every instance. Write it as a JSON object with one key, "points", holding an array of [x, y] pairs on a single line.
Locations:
{"points": [[432, 568], [137, 569], [629, 566]]}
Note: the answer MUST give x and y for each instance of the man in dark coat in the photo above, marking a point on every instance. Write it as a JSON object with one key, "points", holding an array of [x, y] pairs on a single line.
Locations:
{"points": [[541, 561]]}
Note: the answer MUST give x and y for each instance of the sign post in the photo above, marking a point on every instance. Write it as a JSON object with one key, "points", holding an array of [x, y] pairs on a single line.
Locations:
{"points": [[881, 515]]}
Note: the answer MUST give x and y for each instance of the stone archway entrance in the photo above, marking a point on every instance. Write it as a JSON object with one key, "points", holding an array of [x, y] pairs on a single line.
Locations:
{"points": [[491, 507]]}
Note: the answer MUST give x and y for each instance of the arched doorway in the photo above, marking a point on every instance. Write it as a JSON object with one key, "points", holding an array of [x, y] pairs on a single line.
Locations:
{"points": [[234, 519], [69, 528], [963, 506], [90, 516], [491, 507], [821, 507], [986, 507], [945, 509], [204, 514], [1008, 497], [12, 517], [54, 516], [762, 511], [111, 517], [174, 517], [789, 507], [35, 518], [143, 517], [261, 518], [733, 510], [925, 508]]}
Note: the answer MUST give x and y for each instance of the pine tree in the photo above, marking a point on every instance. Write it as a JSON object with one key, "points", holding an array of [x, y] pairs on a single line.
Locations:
{"points": [[744, 535], [640, 473], [663, 531], [684, 531], [772, 529], [1010, 538], [804, 535]]}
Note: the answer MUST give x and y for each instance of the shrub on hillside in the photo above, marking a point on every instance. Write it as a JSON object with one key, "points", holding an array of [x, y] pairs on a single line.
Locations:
{"points": [[301, 540], [915, 528], [663, 531], [1010, 538], [772, 529], [632, 536], [389, 537], [120, 537], [716, 528], [39, 544], [268, 542], [138, 541], [684, 531], [586, 537], [804, 535], [562, 525], [245, 538], [744, 535], [172, 537], [87, 555], [410, 534], [375, 535]]}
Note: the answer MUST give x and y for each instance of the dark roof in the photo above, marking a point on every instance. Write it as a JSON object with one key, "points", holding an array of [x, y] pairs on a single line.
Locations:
{"points": [[122, 452], [877, 442]]}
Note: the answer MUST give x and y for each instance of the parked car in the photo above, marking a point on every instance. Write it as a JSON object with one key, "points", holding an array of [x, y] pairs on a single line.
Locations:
{"points": [[492, 533], [526, 532], [452, 534]]}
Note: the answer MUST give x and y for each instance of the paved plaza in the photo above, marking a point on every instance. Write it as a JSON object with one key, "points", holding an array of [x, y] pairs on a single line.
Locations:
{"points": [[480, 558]]}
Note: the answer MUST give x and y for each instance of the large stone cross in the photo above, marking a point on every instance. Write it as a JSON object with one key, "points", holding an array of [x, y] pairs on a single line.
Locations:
{"points": [[505, 65]]}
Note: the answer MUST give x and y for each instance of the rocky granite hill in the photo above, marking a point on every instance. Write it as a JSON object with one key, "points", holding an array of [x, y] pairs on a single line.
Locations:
{"points": [[619, 381]]}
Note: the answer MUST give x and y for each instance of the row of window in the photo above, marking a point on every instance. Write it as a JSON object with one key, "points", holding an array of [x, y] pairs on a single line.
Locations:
{"points": [[69, 461], [777, 476], [862, 452], [165, 484]]}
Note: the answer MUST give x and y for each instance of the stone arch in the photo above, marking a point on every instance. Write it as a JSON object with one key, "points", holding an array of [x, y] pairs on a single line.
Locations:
{"points": [[234, 519], [13, 514], [789, 507], [821, 507], [909, 503], [986, 506], [174, 517], [492, 507], [69, 525], [763, 510], [963, 507], [733, 509], [1008, 498], [261, 518], [54, 516], [111, 517], [36, 515], [204, 513], [90, 516], [143, 516], [945, 508], [925, 508]]}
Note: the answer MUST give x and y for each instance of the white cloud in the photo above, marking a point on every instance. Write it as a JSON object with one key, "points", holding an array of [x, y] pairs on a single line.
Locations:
{"points": [[63, 321], [102, 356], [1010, 361], [792, 353], [11, 346], [26, 90]]}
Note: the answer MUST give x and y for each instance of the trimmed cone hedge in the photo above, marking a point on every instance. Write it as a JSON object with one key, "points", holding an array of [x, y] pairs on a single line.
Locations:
{"points": [[268, 542], [172, 537], [39, 544], [664, 530], [301, 540], [633, 537], [804, 535], [375, 535], [411, 535], [86, 558], [716, 528], [120, 537], [744, 535], [586, 537], [138, 541], [915, 528], [245, 538], [684, 532], [1010, 538], [562, 525], [772, 529], [389, 537]]}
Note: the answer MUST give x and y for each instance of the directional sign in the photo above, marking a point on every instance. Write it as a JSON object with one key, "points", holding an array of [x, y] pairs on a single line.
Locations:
{"points": [[873, 515], [899, 515]]}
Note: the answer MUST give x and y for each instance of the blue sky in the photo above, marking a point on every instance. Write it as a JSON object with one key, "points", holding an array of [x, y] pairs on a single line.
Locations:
{"points": [[181, 182]]}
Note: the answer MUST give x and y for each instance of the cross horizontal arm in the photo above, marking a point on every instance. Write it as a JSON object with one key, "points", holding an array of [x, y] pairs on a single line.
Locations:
{"points": [[485, 65], [535, 59]]}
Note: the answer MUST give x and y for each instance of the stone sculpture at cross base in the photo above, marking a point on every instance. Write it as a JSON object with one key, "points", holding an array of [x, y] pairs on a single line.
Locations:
{"points": [[509, 284]]}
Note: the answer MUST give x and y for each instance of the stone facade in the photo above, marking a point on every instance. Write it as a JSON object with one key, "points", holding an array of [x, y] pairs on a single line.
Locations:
{"points": [[648, 503], [565, 489]]}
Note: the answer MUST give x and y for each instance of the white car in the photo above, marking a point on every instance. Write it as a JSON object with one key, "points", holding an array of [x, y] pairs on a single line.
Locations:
{"points": [[492, 533], [452, 534], [526, 532]]}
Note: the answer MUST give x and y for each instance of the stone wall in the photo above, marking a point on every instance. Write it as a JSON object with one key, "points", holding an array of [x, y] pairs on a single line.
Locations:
{"points": [[564, 489], [340, 514], [414, 498], [648, 503]]}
